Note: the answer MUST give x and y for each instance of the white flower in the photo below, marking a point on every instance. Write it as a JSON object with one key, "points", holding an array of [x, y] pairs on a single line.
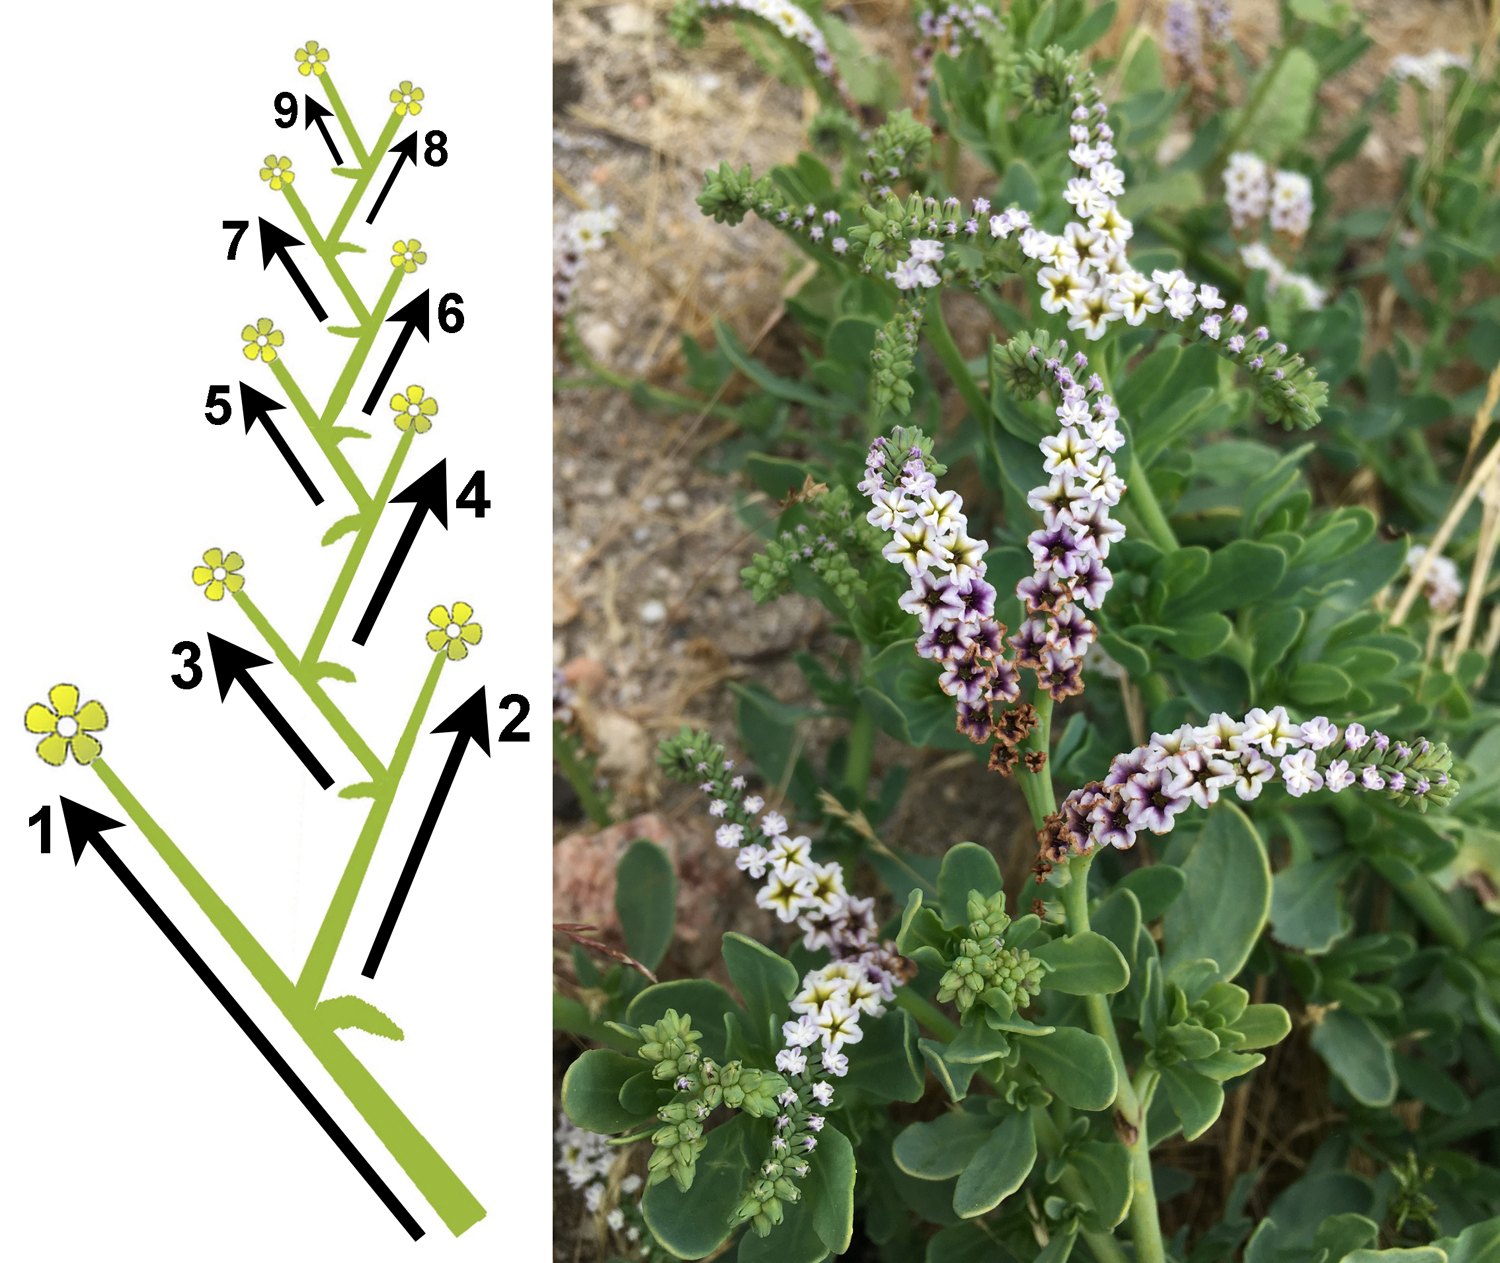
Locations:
{"points": [[815, 1122], [791, 1061], [1254, 772], [1319, 733], [1371, 779], [823, 1093], [1110, 224], [1273, 731], [1299, 773], [1291, 202], [785, 894], [772, 824], [1134, 297], [593, 1196], [615, 1219], [915, 547], [1065, 452], [754, 803], [891, 509], [964, 557], [941, 510], [927, 251], [788, 853], [802, 1033], [1208, 298], [1180, 304], [1102, 483], [717, 807], [630, 1184], [1062, 288], [1210, 326], [836, 1064], [729, 836], [1094, 314], [1083, 156], [1109, 179], [1338, 776], [817, 993], [1355, 736]]}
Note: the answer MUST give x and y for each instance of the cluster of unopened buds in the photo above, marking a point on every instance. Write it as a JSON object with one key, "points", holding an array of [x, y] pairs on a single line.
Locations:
{"points": [[948, 30], [1147, 788]]}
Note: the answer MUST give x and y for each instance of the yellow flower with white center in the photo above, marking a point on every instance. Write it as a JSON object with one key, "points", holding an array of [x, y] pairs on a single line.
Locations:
{"points": [[407, 99], [818, 992], [407, 255], [261, 340], [310, 58], [838, 1023], [414, 408], [452, 631], [67, 727], [785, 894], [277, 171], [217, 573]]}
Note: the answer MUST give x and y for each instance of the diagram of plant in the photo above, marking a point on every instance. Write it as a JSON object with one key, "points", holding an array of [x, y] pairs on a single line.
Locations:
{"points": [[69, 724]]}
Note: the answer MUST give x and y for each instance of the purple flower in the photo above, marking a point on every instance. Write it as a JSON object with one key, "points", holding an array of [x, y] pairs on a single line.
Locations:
{"points": [[987, 637], [951, 640], [1054, 549], [977, 599], [1094, 530], [1029, 642], [1044, 591], [1125, 766], [1069, 632], [1111, 822], [934, 599], [1371, 779], [1380, 741], [1092, 581], [1153, 798], [1005, 681], [965, 679], [975, 722]]}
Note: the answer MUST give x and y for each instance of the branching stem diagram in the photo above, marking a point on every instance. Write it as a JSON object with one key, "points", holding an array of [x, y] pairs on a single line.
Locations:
{"points": [[255, 679]]}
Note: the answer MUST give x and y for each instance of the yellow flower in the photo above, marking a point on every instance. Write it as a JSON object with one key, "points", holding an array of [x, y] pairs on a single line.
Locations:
{"points": [[68, 727], [217, 571], [453, 632], [277, 171], [414, 408], [261, 340], [407, 99], [310, 58], [407, 254]]}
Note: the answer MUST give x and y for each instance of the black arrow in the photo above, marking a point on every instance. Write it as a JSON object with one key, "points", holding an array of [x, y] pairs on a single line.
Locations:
{"points": [[86, 827], [232, 665], [429, 494], [255, 406], [274, 244], [408, 151], [470, 722], [312, 113], [416, 315]]}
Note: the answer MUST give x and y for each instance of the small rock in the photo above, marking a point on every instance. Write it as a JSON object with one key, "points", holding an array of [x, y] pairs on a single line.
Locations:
{"points": [[641, 534], [653, 612], [600, 336], [650, 504], [624, 747], [678, 501], [588, 674], [629, 19]]}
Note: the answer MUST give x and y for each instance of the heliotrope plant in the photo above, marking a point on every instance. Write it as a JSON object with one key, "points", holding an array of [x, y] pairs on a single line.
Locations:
{"points": [[66, 727]]}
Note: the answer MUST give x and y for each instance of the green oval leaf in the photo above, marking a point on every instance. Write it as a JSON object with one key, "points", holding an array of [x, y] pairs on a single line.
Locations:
{"points": [[765, 981], [1196, 1101], [1156, 888], [941, 1149], [1083, 964], [1358, 1054], [1307, 904], [591, 1091], [1262, 1025], [696, 1223], [1227, 896], [998, 1168], [966, 867], [646, 899], [1105, 1168], [1075, 1064], [829, 1189]]}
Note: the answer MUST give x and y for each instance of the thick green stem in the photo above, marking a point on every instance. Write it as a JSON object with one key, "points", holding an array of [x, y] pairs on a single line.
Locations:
{"points": [[580, 776], [326, 443], [1049, 1140], [369, 519], [1037, 786], [1142, 498], [305, 676], [345, 383], [326, 945], [861, 752], [927, 1014], [342, 115], [328, 254], [1145, 1225], [369, 164]]}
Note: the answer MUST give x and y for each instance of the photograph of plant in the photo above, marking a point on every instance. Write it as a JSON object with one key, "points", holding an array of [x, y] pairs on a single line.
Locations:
{"points": [[70, 728], [1090, 400]]}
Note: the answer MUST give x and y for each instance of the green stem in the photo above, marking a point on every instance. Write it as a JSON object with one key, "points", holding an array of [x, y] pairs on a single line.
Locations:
{"points": [[1037, 786], [326, 945], [342, 115], [861, 752], [580, 775], [1142, 497], [1423, 898], [327, 254], [370, 518], [330, 449], [458, 1208], [1145, 1226], [356, 361], [369, 164], [927, 1014], [308, 681], [1049, 1140]]}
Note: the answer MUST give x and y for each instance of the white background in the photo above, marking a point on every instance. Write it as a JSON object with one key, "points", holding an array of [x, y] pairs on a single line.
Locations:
{"points": [[138, 1119]]}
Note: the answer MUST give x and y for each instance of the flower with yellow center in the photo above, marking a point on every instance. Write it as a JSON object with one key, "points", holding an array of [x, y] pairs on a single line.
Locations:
{"points": [[261, 340], [218, 572], [452, 631], [277, 171], [67, 727], [414, 408], [408, 254], [310, 58], [407, 99]]}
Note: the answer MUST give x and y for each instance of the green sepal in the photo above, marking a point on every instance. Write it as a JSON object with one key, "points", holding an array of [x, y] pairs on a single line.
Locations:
{"points": [[333, 671], [342, 527], [364, 789], [954, 1076], [345, 1012]]}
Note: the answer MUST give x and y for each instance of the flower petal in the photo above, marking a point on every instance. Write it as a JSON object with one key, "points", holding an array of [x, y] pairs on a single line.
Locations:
{"points": [[399, 402], [403, 421], [395, 94], [268, 354], [414, 394], [276, 337], [248, 333], [251, 351], [471, 632], [423, 425], [53, 749], [201, 575], [234, 582], [436, 639], [457, 650], [40, 719], [86, 749], [92, 717], [438, 616], [462, 611], [413, 245], [214, 591], [264, 325], [233, 561], [213, 557], [64, 699], [429, 406]]}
